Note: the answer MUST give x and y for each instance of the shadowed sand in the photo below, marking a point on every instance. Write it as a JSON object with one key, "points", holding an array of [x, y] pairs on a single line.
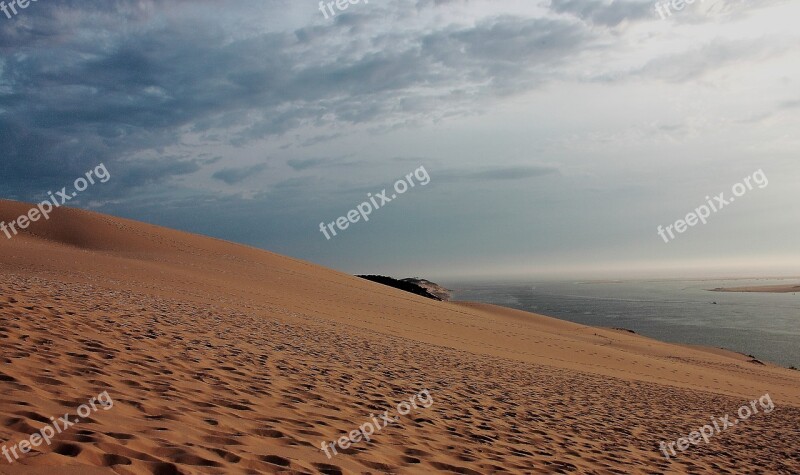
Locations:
{"points": [[226, 359]]}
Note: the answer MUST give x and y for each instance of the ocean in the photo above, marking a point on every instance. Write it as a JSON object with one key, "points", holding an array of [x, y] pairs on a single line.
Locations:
{"points": [[766, 326]]}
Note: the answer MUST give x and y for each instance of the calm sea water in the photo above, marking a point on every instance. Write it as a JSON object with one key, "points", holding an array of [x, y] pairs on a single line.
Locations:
{"points": [[766, 326]]}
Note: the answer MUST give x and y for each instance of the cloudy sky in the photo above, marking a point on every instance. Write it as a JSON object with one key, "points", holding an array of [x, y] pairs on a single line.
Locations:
{"points": [[557, 134]]}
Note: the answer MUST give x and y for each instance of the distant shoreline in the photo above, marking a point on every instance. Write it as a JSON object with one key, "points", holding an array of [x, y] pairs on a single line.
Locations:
{"points": [[769, 289]]}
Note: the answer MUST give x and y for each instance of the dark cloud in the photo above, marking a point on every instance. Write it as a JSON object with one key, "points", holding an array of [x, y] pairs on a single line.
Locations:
{"points": [[693, 64], [339, 161], [793, 104], [233, 176], [606, 13], [320, 139], [305, 164], [149, 172], [496, 173]]}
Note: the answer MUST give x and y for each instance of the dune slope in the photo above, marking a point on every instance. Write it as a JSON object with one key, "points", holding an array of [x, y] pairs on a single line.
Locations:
{"points": [[222, 359]]}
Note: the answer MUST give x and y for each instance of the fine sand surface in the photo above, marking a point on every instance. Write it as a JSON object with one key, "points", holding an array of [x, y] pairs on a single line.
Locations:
{"points": [[226, 359], [769, 289]]}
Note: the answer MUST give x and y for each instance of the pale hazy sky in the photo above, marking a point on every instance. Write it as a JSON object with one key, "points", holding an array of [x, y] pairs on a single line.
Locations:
{"points": [[557, 134]]}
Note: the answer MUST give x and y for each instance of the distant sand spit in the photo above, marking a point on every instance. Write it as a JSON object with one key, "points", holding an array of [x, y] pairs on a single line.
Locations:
{"points": [[770, 289], [223, 359]]}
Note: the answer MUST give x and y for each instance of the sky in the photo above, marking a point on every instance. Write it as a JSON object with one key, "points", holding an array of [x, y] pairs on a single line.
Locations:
{"points": [[556, 135]]}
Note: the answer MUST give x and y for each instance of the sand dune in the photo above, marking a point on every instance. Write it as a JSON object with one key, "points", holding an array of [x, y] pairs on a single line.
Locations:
{"points": [[226, 359]]}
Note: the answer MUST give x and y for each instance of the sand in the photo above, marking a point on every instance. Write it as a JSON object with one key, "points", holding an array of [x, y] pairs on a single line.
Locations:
{"points": [[769, 289], [226, 359]]}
